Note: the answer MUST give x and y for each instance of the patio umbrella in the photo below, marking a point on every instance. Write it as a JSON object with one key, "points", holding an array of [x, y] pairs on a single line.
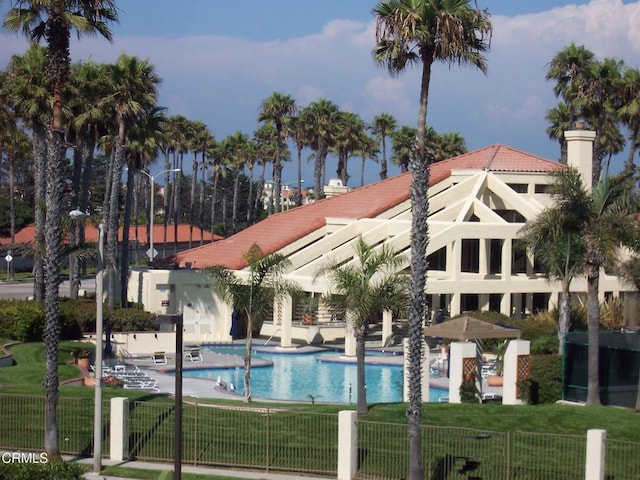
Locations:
{"points": [[469, 328]]}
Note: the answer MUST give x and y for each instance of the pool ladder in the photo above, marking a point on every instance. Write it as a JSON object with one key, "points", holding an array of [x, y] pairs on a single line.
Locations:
{"points": [[272, 335], [392, 341]]}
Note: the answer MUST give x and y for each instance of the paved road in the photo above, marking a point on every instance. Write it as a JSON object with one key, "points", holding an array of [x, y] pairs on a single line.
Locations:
{"points": [[25, 289]]}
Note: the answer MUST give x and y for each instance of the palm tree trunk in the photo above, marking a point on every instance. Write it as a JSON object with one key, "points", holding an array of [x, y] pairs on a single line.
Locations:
{"points": [[565, 317], [236, 196], [383, 162], [361, 407], [247, 359], [53, 251], [165, 201], [112, 222], [299, 200], [593, 318], [40, 159], [192, 196], [124, 257], [12, 206]]}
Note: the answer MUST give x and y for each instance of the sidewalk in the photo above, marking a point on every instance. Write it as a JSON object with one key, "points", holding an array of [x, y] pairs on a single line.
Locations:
{"points": [[250, 474]]}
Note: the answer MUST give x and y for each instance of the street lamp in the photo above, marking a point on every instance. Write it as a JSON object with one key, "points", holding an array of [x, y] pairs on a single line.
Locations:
{"points": [[97, 402], [151, 253]]}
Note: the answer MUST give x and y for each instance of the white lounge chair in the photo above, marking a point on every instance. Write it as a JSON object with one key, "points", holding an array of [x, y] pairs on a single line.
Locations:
{"points": [[193, 354], [159, 358]]}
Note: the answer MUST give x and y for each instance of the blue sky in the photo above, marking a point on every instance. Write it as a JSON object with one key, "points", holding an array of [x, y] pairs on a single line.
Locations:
{"points": [[219, 60]]}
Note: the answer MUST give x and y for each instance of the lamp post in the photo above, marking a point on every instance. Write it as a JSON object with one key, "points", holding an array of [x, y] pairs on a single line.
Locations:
{"points": [[97, 402], [151, 253]]}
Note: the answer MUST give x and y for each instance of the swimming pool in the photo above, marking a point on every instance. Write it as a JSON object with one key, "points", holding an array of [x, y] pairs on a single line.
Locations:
{"points": [[306, 377]]}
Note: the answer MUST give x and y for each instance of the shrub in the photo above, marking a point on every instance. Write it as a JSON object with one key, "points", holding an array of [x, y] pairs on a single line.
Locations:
{"points": [[130, 320], [544, 345], [546, 378], [468, 390], [41, 471], [21, 320]]}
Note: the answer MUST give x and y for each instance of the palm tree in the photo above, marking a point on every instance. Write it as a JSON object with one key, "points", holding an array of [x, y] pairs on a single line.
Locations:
{"points": [[383, 125], [253, 293], [52, 20], [31, 96], [348, 133], [404, 140], [134, 90], [362, 288], [299, 137], [604, 220], [423, 32], [568, 68], [264, 137], [559, 123], [279, 108], [452, 144], [320, 120], [367, 149], [629, 112], [559, 251]]}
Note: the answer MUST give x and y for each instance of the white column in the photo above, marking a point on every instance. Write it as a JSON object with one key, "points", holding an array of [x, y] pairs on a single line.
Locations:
{"points": [[515, 348], [119, 433], [458, 351], [387, 326], [287, 318], [349, 339], [596, 450], [347, 444], [424, 371], [484, 256]]}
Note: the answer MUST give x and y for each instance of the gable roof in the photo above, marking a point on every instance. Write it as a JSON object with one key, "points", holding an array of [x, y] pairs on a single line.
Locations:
{"points": [[370, 201]]}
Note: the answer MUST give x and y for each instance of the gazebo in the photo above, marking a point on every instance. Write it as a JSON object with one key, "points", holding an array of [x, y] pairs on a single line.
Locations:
{"points": [[466, 358]]}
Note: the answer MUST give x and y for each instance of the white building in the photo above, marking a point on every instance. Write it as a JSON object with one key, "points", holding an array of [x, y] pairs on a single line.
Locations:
{"points": [[478, 201]]}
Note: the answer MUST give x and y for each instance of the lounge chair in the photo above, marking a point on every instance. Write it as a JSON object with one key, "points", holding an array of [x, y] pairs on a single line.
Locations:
{"points": [[193, 354], [159, 358]]}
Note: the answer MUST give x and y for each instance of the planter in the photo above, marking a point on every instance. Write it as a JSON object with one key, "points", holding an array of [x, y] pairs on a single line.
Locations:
{"points": [[83, 363], [494, 380]]}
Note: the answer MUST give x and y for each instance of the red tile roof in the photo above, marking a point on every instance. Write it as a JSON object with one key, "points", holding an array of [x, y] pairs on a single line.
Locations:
{"points": [[27, 234], [279, 230]]}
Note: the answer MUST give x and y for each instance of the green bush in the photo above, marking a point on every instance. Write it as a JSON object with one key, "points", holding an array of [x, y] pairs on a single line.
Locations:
{"points": [[546, 378], [130, 320], [41, 471], [21, 320], [543, 345]]}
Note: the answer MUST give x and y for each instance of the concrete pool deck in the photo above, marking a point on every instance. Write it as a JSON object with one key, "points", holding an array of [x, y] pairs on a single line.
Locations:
{"points": [[198, 388]]}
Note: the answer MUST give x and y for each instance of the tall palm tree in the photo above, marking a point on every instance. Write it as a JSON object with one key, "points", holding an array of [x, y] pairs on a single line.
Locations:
{"points": [[568, 68], [134, 90], [559, 122], [367, 149], [629, 112], [253, 292], [320, 121], [264, 139], [604, 220], [558, 250], [452, 144], [299, 137], [348, 133], [362, 288], [52, 21], [383, 126], [423, 32], [31, 96], [279, 108], [404, 140]]}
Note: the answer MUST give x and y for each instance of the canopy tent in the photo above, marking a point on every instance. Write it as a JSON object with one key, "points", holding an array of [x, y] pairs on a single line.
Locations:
{"points": [[468, 328]]}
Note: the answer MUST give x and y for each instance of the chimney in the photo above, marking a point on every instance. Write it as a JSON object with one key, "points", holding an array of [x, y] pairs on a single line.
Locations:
{"points": [[580, 152]]}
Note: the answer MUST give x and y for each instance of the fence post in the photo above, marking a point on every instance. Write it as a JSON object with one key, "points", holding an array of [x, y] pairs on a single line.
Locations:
{"points": [[347, 444], [596, 448], [119, 434]]}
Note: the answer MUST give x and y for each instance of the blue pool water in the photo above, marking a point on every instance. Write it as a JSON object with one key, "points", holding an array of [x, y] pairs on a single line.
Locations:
{"points": [[301, 377]]}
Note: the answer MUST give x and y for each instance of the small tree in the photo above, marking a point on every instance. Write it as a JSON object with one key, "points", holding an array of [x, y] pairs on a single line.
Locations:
{"points": [[253, 292], [365, 286]]}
